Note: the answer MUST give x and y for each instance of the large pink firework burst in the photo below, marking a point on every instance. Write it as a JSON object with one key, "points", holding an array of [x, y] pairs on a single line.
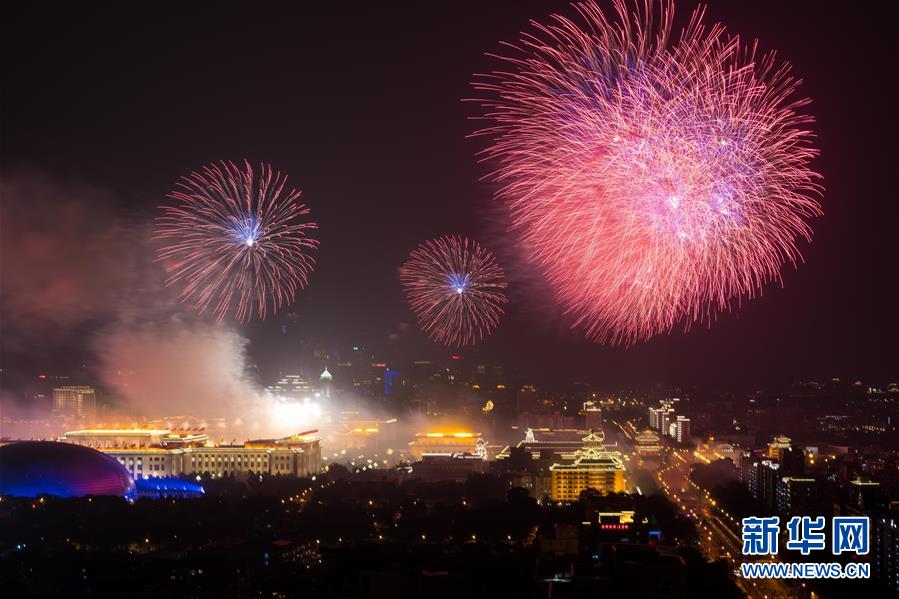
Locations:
{"points": [[236, 241], [654, 181], [455, 288]]}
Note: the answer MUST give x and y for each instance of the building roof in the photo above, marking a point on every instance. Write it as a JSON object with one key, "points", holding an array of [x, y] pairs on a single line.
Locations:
{"points": [[111, 432], [31, 468], [592, 458]]}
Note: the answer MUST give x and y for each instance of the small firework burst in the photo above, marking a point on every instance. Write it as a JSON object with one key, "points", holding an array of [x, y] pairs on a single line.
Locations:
{"points": [[455, 288]]}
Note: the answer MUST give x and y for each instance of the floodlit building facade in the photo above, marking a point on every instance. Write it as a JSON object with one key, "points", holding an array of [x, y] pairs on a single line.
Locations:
{"points": [[145, 454], [679, 429], [647, 443], [777, 446], [444, 443], [134, 438], [77, 401], [593, 468], [592, 416], [542, 444]]}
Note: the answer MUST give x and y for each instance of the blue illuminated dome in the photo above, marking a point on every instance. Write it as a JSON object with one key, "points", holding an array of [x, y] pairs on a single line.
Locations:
{"points": [[31, 468]]}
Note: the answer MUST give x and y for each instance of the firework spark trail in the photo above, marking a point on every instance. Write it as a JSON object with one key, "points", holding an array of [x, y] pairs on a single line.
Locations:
{"points": [[236, 242], [654, 182], [455, 288]]}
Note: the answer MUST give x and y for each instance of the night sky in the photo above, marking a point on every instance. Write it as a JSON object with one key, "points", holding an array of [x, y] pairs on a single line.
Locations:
{"points": [[361, 104]]}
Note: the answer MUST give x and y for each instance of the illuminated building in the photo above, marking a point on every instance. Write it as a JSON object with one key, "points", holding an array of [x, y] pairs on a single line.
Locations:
{"points": [[445, 443], [593, 468], [592, 416], [654, 418], [293, 386], [391, 377], [777, 445], [725, 451], [285, 551], [146, 462], [78, 401], [146, 454], [679, 429], [659, 418], [437, 467], [796, 496], [186, 422], [544, 444], [747, 472], [767, 479], [664, 420], [324, 381], [620, 520], [355, 431], [647, 443], [885, 546], [134, 438]]}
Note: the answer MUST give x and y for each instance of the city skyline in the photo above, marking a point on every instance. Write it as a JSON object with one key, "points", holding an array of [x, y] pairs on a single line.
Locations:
{"points": [[520, 298]]}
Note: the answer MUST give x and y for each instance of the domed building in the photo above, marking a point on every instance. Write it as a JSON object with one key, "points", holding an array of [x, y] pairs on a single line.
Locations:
{"points": [[325, 382], [31, 468]]}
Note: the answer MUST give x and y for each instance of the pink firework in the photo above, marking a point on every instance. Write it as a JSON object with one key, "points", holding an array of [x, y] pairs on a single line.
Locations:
{"points": [[455, 288], [654, 181], [236, 241]]}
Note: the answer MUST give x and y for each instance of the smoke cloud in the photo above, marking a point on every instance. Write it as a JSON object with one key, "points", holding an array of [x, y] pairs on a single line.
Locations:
{"points": [[175, 368], [76, 272], [63, 257]]}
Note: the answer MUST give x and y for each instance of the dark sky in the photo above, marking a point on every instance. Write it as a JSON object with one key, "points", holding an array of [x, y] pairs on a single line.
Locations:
{"points": [[360, 103]]}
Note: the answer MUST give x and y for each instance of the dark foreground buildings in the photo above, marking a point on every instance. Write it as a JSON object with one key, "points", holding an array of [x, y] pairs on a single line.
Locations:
{"points": [[338, 537]]}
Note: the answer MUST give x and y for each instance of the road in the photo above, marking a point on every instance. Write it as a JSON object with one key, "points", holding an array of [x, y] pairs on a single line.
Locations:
{"points": [[719, 533]]}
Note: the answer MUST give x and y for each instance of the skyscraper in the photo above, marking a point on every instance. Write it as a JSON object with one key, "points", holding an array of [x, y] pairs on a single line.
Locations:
{"points": [[75, 401], [660, 418], [292, 386], [592, 416], [680, 429]]}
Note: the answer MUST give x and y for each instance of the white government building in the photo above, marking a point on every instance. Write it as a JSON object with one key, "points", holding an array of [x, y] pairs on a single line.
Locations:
{"points": [[149, 453]]}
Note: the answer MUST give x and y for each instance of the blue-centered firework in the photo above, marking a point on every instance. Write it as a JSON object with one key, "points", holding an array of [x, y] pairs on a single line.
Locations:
{"points": [[455, 288], [236, 241]]}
